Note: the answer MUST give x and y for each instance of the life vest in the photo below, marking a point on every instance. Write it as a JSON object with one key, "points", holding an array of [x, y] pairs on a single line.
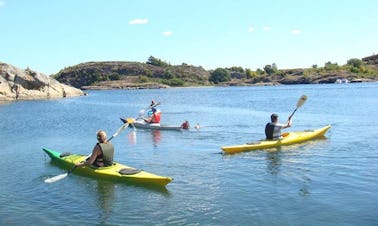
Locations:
{"points": [[185, 125], [156, 117], [269, 129], [106, 158]]}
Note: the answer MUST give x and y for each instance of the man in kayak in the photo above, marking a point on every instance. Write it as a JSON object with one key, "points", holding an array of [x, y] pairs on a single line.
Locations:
{"points": [[102, 154], [155, 117], [273, 128]]}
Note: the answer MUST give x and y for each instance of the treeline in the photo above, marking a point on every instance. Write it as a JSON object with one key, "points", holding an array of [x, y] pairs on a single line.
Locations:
{"points": [[159, 71], [356, 67]]}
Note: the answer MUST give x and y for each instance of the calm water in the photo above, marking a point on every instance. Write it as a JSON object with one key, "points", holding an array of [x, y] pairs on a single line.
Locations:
{"points": [[331, 181]]}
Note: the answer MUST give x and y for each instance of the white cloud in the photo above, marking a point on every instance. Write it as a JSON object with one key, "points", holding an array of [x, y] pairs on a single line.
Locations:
{"points": [[251, 29], [267, 28], [138, 21], [2, 3], [167, 33], [296, 32]]}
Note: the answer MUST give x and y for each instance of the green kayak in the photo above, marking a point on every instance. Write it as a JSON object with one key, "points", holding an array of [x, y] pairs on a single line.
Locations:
{"points": [[117, 172]]}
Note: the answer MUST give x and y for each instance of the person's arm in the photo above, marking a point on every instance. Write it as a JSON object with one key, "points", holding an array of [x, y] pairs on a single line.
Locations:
{"points": [[288, 124], [149, 119], [91, 159]]}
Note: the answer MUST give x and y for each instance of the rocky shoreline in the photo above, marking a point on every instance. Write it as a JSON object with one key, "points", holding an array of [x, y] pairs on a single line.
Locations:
{"points": [[18, 84]]}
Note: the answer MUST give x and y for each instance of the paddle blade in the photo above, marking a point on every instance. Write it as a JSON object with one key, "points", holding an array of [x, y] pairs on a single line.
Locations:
{"points": [[56, 178], [130, 120], [301, 101]]}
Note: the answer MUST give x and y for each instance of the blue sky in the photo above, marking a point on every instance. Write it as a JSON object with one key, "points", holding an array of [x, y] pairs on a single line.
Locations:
{"points": [[48, 35]]}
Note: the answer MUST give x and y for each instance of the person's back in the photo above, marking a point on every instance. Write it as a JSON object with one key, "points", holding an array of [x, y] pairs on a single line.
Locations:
{"points": [[269, 129], [273, 128], [107, 154], [155, 117], [102, 154]]}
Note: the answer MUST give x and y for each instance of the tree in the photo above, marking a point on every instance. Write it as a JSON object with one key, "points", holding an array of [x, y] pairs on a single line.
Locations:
{"points": [[220, 75], [355, 62], [250, 74], [156, 62], [268, 69], [260, 72], [330, 66]]}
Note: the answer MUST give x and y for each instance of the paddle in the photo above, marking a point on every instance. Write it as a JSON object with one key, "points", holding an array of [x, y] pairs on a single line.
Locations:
{"points": [[149, 107], [64, 175], [300, 102]]}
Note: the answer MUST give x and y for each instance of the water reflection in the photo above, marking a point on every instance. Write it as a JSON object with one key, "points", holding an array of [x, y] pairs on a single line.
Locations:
{"points": [[273, 159], [105, 190], [156, 137], [132, 137], [274, 164]]}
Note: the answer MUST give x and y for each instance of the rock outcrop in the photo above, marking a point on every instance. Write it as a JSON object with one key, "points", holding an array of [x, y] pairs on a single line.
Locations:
{"points": [[18, 84]]}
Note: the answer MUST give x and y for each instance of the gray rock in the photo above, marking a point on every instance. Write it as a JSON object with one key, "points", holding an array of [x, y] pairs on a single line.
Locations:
{"points": [[18, 84]]}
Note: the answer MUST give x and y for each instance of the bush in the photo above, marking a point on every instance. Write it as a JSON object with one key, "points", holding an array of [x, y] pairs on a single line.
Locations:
{"points": [[355, 62], [220, 75], [143, 79], [173, 82]]}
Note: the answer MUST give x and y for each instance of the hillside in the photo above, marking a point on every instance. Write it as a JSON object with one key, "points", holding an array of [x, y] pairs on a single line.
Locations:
{"points": [[124, 75], [156, 73]]}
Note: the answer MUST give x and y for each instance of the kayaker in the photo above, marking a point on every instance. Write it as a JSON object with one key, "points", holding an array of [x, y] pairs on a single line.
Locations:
{"points": [[185, 125], [154, 117], [273, 128], [102, 154]]}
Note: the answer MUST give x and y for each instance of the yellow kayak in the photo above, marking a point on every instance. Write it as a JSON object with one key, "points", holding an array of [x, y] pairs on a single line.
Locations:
{"points": [[289, 138], [116, 172]]}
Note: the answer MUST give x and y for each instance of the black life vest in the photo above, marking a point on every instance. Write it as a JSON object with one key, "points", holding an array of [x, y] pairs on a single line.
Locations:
{"points": [[269, 129]]}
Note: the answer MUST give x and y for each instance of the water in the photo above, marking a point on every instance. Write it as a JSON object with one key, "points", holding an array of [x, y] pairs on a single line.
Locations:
{"points": [[330, 181]]}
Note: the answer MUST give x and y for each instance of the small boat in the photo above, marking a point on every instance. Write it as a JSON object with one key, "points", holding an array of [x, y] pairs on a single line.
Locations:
{"points": [[140, 123], [288, 138], [116, 172]]}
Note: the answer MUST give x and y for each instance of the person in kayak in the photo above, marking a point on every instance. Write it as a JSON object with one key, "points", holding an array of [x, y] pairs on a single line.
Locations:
{"points": [[102, 154], [273, 128], [154, 117]]}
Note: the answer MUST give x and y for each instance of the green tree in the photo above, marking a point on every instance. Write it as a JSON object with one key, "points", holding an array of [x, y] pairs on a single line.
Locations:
{"points": [[260, 72], [156, 62], [354, 62], [268, 69], [330, 66], [250, 74], [237, 69], [220, 75], [168, 75]]}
